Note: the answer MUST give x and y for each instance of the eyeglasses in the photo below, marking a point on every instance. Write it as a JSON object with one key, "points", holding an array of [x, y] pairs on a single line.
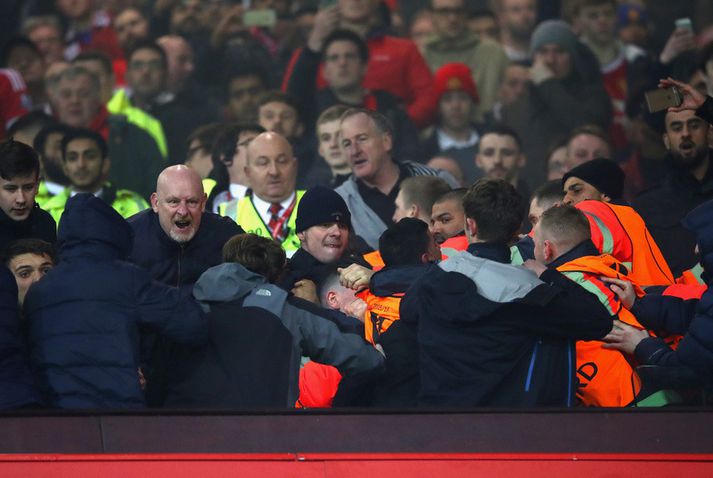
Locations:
{"points": [[140, 65]]}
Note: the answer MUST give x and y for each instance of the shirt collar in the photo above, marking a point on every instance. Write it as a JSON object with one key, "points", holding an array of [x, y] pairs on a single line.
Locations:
{"points": [[264, 207], [446, 142]]}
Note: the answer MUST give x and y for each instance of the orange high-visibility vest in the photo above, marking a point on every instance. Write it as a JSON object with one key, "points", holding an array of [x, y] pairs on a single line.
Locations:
{"points": [[453, 244], [606, 378], [380, 313], [621, 232], [692, 276], [374, 259]]}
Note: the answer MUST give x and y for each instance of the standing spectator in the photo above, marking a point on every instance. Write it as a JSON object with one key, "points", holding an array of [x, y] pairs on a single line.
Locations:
{"points": [[395, 64], [84, 339], [453, 42], [500, 156], [416, 197], [20, 216], [245, 83], [565, 91], [586, 143], [131, 26], [455, 135], [46, 33], [376, 176], [515, 83], [329, 149], [48, 144], [517, 19]]}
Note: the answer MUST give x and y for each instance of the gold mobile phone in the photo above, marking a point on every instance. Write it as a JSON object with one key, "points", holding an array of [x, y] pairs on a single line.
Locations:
{"points": [[663, 98]]}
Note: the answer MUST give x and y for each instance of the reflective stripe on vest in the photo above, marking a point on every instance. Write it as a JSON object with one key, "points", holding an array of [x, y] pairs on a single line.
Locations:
{"points": [[380, 314], [120, 104]]}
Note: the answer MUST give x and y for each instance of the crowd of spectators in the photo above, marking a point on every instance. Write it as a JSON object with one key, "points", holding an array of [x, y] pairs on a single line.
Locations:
{"points": [[243, 204]]}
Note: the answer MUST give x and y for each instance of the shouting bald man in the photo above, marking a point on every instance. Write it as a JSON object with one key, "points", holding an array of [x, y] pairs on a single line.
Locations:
{"points": [[176, 240], [269, 209]]}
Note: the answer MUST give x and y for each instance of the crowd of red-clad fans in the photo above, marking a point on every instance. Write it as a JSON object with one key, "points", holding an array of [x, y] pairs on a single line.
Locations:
{"points": [[236, 204]]}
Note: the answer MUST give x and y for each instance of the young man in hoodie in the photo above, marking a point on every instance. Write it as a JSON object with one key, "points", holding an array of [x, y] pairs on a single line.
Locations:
{"points": [[493, 334]]}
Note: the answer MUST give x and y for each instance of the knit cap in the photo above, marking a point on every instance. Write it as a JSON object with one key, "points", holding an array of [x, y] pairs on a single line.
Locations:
{"points": [[321, 205], [455, 76], [557, 32], [604, 174]]}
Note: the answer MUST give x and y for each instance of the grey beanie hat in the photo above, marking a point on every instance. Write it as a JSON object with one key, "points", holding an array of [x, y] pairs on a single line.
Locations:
{"points": [[554, 31]]}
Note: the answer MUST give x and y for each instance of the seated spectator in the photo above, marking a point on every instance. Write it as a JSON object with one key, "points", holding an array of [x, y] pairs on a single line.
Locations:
{"points": [[84, 339], [345, 56], [245, 83], [48, 145], [270, 210], [484, 24], [89, 29], [517, 20], [395, 64], [481, 321], [46, 32], [20, 216], [23, 56], [455, 135], [131, 26], [28, 260], [513, 85], [136, 158], [500, 156], [562, 242], [416, 197], [176, 240], [85, 163], [565, 91], [329, 149], [17, 388], [372, 188], [421, 28], [14, 94], [238, 368], [230, 151], [454, 42]]}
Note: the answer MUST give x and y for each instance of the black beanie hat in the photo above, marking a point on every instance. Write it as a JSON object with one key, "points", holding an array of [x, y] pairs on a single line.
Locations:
{"points": [[604, 174], [321, 205]]}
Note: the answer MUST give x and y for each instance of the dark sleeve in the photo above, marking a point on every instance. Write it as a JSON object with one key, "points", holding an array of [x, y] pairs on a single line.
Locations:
{"points": [[664, 313], [591, 104], [706, 110], [301, 84], [654, 351], [572, 313], [169, 311]]}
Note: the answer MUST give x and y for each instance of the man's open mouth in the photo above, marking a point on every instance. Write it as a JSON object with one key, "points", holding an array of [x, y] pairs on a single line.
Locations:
{"points": [[182, 224]]}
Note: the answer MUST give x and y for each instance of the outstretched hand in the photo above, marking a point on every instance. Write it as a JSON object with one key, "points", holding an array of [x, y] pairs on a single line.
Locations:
{"points": [[623, 289]]}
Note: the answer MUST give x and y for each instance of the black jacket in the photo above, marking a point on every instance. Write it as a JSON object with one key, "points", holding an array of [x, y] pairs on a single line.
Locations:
{"points": [[39, 224], [492, 334], [85, 315], [176, 264]]}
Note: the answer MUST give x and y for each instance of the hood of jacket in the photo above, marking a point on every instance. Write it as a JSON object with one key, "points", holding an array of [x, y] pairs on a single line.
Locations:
{"points": [[89, 226], [226, 283]]}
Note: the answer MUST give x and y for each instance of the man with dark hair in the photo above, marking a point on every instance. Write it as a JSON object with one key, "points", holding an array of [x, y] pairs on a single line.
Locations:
{"points": [[28, 260], [84, 338], [22, 55], [131, 26], [688, 183], [198, 155], [517, 20], [416, 197], [99, 63], [20, 216], [86, 164], [48, 145], [586, 143], [485, 327], [448, 220], [546, 196], [329, 149], [278, 112], [500, 156], [245, 83], [599, 179], [270, 330], [562, 242], [371, 190]]}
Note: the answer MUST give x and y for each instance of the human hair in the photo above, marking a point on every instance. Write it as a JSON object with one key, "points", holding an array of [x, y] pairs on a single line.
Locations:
{"points": [[17, 159], [503, 130], [452, 195], [31, 123], [591, 130], [382, 123], [205, 135], [96, 55], [349, 36], [333, 113], [331, 282], [225, 142], [84, 133], [29, 245], [404, 243], [257, 254], [497, 209], [41, 138], [244, 68], [40, 21], [15, 42], [277, 96], [73, 72], [564, 225], [549, 193], [145, 44], [423, 191]]}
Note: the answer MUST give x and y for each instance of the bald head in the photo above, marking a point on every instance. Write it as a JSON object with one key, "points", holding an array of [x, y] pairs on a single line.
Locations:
{"points": [[180, 61], [271, 167], [179, 201]]}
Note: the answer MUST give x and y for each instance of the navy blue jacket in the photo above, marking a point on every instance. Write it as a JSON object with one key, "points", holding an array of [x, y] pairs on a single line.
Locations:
{"points": [[16, 386], [85, 315], [694, 318], [175, 264], [492, 334], [39, 224]]}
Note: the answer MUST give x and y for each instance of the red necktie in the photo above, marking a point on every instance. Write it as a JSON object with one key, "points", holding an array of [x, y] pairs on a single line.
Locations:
{"points": [[274, 218]]}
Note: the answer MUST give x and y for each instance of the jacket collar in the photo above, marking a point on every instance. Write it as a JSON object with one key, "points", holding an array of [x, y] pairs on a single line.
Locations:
{"points": [[490, 250], [585, 248]]}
